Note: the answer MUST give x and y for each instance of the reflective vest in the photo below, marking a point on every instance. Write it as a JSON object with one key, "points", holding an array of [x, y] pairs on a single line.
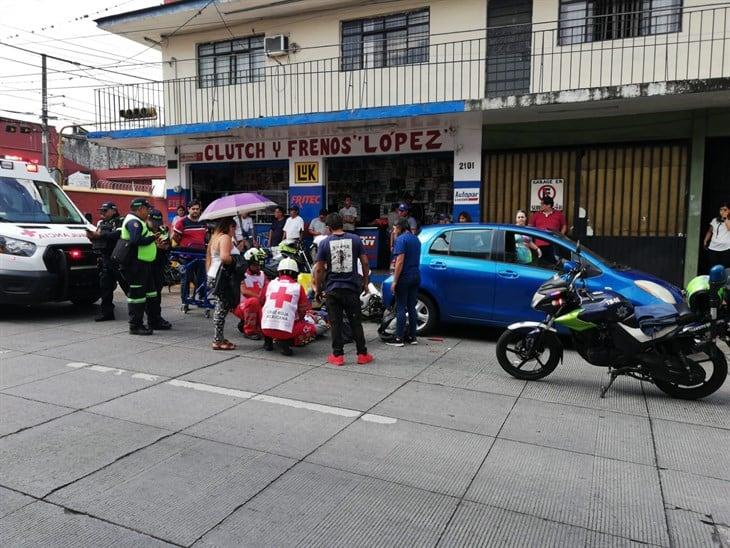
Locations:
{"points": [[280, 308], [145, 253]]}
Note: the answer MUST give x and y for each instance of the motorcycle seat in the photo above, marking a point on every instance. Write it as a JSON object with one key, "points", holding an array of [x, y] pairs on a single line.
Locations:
{"points": [[654, 317]]}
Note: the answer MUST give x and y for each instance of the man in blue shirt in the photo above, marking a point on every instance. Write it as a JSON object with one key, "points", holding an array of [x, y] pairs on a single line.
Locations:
{"points": [[339, 256], [406, 281]]}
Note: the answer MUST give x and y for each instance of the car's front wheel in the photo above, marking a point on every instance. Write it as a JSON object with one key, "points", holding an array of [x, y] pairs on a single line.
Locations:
{"points": [[427, 314]]}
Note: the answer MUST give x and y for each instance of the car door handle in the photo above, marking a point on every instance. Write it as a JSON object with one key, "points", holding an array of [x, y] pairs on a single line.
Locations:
{"points": [[437, 265], [508, 274]]}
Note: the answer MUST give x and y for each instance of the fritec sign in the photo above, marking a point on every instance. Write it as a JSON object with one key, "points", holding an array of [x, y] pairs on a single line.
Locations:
{"points": [[396, 142]]}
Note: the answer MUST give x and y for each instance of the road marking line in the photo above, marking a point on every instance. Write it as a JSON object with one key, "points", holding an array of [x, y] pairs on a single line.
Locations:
{"points": [[340, 411], [214, 389], [105, 369], [379, 419], [242, 394], [145, 377]]}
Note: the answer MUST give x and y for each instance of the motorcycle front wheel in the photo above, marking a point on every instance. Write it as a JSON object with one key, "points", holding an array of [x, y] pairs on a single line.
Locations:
{"points": [[529, 354], [710, 355]]}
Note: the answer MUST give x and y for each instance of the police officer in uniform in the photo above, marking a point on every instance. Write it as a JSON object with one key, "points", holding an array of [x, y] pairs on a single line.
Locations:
{"points": [[139, 271], [163, 243], [103, 240]]}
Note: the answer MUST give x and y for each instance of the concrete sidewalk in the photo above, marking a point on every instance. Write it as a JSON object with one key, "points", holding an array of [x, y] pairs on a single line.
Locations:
{"points": [[109, 439]]}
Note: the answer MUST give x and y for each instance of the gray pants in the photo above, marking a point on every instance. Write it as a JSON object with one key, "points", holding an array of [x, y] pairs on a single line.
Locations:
{"points": [[219, 315]]}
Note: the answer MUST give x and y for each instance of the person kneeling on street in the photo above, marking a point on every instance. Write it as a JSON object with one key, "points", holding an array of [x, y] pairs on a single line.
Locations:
{"points": [[253, 294], [284, 310], [154, 304]]}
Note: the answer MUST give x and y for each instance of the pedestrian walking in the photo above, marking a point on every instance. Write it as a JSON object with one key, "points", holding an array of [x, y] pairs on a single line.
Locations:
{"points": [[406, 281], [103, 241], [717, 238], [155, 223], [336, 273], [220, 252], [138, 271]]}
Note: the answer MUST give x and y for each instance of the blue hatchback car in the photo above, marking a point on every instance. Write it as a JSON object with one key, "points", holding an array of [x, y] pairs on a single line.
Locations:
{"points": [[477, 274]]}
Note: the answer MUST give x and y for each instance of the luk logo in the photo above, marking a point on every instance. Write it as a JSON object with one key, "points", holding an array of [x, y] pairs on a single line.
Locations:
{"points": [[306, 172]]}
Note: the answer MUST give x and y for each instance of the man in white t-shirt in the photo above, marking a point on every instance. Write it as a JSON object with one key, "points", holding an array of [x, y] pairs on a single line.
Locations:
{"points": [[348, 214], [717, 238], [294, 226]]}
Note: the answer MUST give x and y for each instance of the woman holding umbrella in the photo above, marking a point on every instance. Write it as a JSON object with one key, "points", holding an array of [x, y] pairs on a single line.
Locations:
{"points": [[221, 251]]}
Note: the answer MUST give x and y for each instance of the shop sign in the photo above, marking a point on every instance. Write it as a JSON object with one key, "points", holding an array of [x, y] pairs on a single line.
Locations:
{"points": [[301, 200], [466, 196], [543, 188], [306, 172], [397, 142], [191, 157]]}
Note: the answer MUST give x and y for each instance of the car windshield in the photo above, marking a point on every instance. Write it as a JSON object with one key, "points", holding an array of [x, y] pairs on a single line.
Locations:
{"points": [[28, 201], [609, 263]]}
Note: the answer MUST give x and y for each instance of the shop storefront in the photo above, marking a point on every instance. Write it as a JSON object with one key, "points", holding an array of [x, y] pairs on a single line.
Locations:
{"points": [[378, 169]]}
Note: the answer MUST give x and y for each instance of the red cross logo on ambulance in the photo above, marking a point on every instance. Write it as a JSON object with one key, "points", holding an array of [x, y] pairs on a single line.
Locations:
{"points": [[29, 233]]}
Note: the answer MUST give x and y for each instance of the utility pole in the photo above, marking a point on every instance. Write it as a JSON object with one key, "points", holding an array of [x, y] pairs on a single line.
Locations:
{"points": [[44, 109]]}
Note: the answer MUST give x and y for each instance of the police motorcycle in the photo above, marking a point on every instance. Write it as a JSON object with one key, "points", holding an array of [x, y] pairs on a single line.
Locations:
{"points": [[291, 249], [708, 296], [666, 345]]}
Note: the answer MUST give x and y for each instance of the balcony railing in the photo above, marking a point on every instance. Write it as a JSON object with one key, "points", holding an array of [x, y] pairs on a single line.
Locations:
{"points": [[517, 60]]}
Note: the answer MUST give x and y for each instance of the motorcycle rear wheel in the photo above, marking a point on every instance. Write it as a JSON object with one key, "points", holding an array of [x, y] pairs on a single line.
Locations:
{"points": [[710, 385], [510, 354]]}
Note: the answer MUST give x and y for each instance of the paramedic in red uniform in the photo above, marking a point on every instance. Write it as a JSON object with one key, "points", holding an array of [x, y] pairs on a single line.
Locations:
{"points": [[253, 294], [282, 319]]}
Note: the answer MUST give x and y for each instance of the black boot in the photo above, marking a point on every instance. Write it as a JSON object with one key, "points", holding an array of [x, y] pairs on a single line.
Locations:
{"points": [[136, 319], [160, 324], [268, 344], [285, 347], [154, 314]]}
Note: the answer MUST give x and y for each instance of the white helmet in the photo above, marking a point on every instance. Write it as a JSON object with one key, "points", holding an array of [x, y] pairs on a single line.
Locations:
{"points": [[288, 264]]}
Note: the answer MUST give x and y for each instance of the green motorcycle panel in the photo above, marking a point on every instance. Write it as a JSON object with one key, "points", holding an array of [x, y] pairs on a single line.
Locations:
{"points": [[571, 321]]}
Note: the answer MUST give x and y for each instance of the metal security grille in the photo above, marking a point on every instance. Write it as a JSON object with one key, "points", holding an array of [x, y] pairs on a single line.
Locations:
{"points": [[509, 43], [626, 201]]}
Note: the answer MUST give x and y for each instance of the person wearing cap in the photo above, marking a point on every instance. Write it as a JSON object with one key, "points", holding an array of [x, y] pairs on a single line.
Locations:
{"points": [[550, 220], [294, 226], [103, 240], [404, 212], [139, 271], [253, 294], [156, 224], [282, 317]]}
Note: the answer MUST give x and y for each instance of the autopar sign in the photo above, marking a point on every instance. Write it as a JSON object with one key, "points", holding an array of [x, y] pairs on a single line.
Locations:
{"points": [[466, 196]]}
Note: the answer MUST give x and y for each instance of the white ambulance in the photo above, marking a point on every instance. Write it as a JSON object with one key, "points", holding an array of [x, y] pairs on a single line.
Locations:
{"points": [[44, 253]]}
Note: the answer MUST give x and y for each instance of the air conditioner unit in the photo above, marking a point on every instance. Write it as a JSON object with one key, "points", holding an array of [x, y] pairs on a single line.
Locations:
{"points": [[276, 45]]}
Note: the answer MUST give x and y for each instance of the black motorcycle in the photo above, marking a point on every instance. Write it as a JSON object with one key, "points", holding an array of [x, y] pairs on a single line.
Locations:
{"points": [[667, 345]]}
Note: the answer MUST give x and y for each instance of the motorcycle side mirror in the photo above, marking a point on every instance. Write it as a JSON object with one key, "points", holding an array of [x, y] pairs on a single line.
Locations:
{"points": [[718, 275], [577, 248], [570, 267]]}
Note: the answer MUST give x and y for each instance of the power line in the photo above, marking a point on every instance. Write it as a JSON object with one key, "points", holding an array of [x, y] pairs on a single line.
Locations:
{"points": [[75, 63]]}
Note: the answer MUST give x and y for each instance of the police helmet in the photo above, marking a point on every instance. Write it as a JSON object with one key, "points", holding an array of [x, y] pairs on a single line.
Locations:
{"points": [[156, 215], [107, 205]]}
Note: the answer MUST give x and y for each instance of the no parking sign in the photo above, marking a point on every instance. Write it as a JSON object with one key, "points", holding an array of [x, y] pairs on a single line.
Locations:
{"points": [[543, 188]]}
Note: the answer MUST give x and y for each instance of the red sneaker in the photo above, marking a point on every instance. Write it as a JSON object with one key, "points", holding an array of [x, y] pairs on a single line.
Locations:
{"points": [[336, 360], [362, 359]]}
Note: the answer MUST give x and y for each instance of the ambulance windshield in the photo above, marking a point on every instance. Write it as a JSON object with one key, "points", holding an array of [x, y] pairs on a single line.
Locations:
{"points": [[27, 201]]}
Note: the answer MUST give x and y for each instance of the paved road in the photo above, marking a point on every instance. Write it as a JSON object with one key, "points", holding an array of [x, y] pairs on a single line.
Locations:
{"points": [[107, 439]]}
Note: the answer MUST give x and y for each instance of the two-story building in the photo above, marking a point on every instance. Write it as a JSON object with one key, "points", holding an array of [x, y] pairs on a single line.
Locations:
{"points": [[620, 109]]}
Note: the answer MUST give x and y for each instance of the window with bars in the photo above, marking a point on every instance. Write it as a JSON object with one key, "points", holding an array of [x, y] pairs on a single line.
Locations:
{"points": [[596, 20], [237, 61], [387, 41]]}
